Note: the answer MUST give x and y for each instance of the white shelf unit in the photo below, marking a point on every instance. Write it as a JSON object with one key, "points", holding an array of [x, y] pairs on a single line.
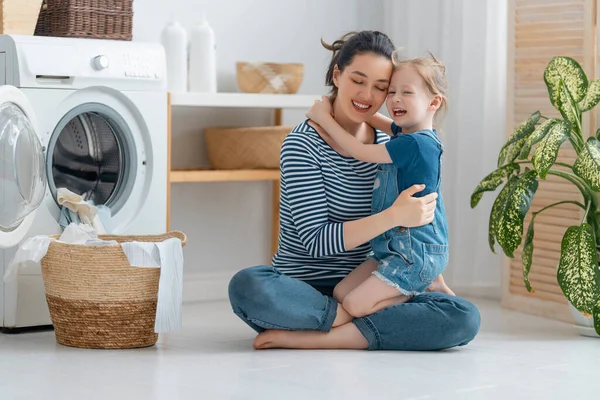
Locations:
{"points": [[277, 102]]}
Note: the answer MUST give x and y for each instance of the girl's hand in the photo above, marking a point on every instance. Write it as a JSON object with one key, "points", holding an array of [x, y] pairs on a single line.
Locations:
{"points": [[320, 110], [412, 211]]}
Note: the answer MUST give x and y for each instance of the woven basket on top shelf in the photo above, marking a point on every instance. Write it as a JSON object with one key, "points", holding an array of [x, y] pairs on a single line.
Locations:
{"points": [[269, 77], [97, 299], [245, 148], [93, 19]]}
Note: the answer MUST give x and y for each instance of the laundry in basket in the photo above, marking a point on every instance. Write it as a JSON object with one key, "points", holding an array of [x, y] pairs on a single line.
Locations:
{"points": [[108, 291]]}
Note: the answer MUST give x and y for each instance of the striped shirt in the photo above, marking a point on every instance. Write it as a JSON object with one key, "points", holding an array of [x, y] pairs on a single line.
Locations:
{"points": [[320, 190]]}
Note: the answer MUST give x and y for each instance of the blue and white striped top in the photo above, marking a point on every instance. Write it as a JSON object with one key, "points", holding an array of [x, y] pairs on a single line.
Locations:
{"points": [[320, 190]]}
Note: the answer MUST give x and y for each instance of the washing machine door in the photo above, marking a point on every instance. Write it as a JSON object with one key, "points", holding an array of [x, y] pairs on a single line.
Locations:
{"points": [[22, 166]]}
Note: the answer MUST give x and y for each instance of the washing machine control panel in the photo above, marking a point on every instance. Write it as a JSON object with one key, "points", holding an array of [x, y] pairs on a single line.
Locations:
{"points": [[101, 62], [145, 66]]}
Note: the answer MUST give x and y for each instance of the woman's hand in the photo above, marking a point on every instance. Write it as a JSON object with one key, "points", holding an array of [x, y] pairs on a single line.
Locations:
{"points": [[320, 110], [412, 211]]}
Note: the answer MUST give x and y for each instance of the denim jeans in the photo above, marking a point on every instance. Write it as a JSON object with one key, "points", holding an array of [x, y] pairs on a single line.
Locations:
{"points": [[265, 298]]}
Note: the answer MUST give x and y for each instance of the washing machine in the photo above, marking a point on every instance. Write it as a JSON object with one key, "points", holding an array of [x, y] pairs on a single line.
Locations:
{"points": [[90, 116]]}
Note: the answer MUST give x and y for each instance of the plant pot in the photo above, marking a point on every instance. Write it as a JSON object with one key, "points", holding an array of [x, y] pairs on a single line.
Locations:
{"points": [[584, 324]]}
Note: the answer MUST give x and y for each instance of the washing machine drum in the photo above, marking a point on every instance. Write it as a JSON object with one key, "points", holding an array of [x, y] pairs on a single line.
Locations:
{"points": [[88, 158]]}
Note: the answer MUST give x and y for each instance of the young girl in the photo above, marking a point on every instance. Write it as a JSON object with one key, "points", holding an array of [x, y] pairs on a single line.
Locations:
{"points": [[409, 260]]}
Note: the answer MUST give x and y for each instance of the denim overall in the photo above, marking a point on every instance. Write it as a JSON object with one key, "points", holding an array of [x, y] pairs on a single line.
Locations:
{"points": [[409, 258]]}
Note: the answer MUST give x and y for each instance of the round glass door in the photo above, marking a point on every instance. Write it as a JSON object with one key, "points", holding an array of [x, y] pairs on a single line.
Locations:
{"points": [[22, 168]]}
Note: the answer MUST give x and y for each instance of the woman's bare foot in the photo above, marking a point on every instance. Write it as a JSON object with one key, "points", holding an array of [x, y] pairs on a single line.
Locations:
{"points": [[270, 339], [343, 337], [438, 285]]}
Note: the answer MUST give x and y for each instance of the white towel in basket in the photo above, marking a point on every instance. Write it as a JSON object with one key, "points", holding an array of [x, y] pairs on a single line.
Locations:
{"points": [[166, 255]]}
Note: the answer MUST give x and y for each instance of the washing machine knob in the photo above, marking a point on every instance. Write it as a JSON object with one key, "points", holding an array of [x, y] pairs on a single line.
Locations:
{"points": [[101, 62]]}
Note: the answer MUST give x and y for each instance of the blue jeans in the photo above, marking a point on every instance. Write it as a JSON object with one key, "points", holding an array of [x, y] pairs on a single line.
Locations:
{"points": [[265, 298]]}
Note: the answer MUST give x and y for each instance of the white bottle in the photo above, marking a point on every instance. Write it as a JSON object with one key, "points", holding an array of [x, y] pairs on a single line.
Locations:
{"points": [[174, 40], [203, 59]]}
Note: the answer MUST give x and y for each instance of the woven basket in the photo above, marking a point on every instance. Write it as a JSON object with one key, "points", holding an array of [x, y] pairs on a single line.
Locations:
{"points": [[269, 77], [96, 299], [18, 17], [93, 19], [245, 148]]}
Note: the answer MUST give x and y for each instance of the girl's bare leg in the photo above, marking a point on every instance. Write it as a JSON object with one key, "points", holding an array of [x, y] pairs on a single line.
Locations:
{"points": [[342, 337], [353, 279], [342, 317], [439, 285], [371, 296]]}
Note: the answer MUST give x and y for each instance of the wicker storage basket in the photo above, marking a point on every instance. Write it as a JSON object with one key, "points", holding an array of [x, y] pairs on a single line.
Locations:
{"points": [[245, 148], [269, 77], [96, 299], [18, 17], [93, 19]]}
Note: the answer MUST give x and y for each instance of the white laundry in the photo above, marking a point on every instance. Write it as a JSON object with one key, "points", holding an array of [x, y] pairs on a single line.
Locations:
{"points": [[87, 212], [166, 255]]}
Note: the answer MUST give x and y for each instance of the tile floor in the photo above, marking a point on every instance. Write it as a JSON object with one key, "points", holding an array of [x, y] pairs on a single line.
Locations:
{"points": [[514, 356]]}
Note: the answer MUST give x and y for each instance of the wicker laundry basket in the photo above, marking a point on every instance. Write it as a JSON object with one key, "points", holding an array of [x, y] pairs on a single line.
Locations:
{"points": [[245, 148], [93, 19], [96, 299]]}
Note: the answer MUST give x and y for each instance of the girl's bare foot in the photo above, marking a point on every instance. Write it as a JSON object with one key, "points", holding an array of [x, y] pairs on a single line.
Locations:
{"points": [[438, 285]]}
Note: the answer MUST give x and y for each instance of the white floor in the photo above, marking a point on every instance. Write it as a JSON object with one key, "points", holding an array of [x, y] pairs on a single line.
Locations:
{"points": [[514, 356]]}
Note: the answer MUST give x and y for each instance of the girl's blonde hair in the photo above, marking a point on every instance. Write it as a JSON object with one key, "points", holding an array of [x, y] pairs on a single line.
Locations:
{"points": [[433, 73]]}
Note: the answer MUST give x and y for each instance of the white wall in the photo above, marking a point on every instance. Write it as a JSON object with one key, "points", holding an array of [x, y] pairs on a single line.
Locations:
{"points": [[228, 224]]}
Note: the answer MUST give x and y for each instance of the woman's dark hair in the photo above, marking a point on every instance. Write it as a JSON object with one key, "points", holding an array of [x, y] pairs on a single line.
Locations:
{"points": [[351, 44]]}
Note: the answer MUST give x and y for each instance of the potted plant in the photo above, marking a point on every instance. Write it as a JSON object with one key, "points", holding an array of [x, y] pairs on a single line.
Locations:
{"points": [[529, 155]]}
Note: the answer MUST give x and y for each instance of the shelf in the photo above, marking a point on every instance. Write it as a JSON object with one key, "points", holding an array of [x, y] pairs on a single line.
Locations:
{"points": [[208, 175], [243, 100]]}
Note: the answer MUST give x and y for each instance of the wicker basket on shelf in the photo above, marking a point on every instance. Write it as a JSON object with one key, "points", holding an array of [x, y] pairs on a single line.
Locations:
{"points": [[245, 148], [18, 17], [93, 19], [97, 299], [269, 77]]}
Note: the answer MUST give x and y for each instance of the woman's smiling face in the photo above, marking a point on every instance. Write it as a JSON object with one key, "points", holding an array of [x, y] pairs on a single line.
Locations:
{"points": [[362, 86]]}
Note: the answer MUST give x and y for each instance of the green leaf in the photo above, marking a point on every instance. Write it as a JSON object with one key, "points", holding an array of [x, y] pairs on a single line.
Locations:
{"points": [[540, 132], [545, 154], [598, 134], [592, 97], [566, 106], [567, 71], [525, 129], [509, 225], [578, 273], [497, 208], [491, 182], [502, 156], [515, 150], [587, 164], [517, 139], [528, 255], [597, 317]]}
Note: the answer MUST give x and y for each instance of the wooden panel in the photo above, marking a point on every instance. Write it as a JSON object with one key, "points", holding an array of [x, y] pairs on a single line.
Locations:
{"points": [[539, 30]]}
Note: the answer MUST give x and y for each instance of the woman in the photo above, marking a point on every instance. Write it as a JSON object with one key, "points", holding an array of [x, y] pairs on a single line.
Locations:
{"points": [[325, 227]]}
